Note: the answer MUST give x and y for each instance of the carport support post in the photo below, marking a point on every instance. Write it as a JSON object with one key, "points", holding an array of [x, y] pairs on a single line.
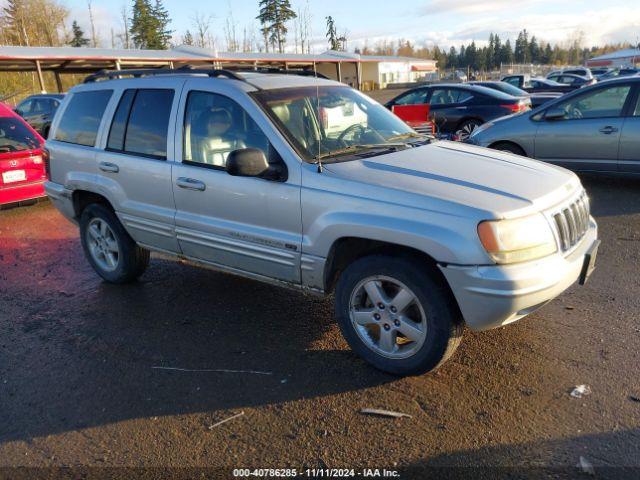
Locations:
{"points": [[339, 71], [40, 77], [58, 81], [118, 65], [358, 76]]}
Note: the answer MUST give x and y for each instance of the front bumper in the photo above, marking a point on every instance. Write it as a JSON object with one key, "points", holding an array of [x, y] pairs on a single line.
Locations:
{"points": [[62, 199], [493, 296]]}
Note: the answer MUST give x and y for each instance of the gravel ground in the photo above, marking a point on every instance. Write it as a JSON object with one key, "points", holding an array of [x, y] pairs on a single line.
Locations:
{"points": [[79, 385]]}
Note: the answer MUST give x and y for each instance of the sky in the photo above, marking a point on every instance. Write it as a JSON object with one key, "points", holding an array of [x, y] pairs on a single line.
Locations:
{"points": [[431, 22]]}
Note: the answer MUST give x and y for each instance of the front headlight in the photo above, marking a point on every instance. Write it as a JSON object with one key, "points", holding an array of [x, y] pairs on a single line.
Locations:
{"points": [[517, 240]]}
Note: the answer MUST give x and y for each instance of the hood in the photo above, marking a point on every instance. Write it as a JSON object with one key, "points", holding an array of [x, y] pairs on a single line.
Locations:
{"points": [[499, 183]]}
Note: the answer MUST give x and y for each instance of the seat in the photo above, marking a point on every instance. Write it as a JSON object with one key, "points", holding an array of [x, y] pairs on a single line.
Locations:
{"points": [[213, 149]]}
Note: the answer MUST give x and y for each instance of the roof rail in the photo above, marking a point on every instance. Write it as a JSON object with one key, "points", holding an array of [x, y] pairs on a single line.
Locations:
{"points": [[110, 74], [280, 71]]}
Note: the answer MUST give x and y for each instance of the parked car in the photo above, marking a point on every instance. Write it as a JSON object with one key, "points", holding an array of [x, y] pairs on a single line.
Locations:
{"points": [[570, 79], [457, 109], [38, 111], [627, 72], [536, 85], [22, 169], [456, 76], [234, 171], [596, 128], [535, 99], [580, 71], [598, 71]]}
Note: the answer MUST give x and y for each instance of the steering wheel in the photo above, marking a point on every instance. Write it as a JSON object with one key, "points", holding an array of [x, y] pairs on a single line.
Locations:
{"points": [[576, 112], [355, 126]]}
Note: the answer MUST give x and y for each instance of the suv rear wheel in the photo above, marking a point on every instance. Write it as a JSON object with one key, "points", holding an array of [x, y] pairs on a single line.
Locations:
{"points": [[110, 250], [397, 315]]}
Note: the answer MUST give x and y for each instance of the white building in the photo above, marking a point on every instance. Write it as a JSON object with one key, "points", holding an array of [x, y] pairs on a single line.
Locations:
{"points": [[622, 58]]}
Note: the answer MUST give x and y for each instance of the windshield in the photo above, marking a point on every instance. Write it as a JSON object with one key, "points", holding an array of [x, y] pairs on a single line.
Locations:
{"points": [[15, 136], [321, 122]]}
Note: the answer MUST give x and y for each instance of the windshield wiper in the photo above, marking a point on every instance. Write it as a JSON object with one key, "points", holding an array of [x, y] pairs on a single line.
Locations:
{"points": [[359, 148], [407, 135]]}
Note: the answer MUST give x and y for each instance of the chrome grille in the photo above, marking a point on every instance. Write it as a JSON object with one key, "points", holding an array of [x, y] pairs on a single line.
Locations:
{"points": [[572, 222]]}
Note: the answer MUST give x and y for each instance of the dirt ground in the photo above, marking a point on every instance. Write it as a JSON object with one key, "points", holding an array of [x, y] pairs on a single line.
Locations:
{"points": [[80, 387]]}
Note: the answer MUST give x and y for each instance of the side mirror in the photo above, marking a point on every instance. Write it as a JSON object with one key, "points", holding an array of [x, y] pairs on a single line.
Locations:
{"points": [[555, 113], [247, 162]]}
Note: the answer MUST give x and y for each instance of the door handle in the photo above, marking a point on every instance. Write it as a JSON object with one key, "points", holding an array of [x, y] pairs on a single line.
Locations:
{"points": [[191, 184], [109, 167], [461, 108], [608, 130]]}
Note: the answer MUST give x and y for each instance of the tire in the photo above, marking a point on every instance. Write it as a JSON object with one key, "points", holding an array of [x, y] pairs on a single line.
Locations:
{"points": [[511, 148], [112, 253], [428, 344], [466, 128]]}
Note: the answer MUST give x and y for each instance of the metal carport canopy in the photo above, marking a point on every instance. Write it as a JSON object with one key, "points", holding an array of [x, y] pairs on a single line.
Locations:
{"points": [[87, 60]]}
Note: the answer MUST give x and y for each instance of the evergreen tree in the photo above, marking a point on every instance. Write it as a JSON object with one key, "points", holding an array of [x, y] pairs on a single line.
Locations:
{"points": [[490, 52], [522, 48], [547, 56], [273, 16], [78, 39], [471, 56], [497, 47], [534, 50], [506, 53], [162, 21], [187, 38], [149, 25], [332, 34], [452, 59]]}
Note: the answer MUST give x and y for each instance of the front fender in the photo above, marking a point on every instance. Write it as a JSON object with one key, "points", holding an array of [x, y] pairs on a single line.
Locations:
{"points": [[445, 238]]}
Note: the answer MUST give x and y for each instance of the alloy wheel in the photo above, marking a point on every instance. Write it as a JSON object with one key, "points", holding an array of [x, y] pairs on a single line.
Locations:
{"points": [[103, 244], [388, 317]]}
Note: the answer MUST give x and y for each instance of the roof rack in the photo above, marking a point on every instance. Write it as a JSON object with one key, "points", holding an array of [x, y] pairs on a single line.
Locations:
{"points": [[279, 71], [110, 74]]}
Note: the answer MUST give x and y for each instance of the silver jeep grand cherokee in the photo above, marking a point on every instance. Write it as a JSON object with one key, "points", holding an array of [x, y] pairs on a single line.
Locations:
{"points": [[309, 184]]}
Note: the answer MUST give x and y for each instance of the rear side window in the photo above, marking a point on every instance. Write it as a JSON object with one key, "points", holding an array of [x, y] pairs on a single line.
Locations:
{"points": [[81, 119], [417, 97], [15, 136], [141, 123]]}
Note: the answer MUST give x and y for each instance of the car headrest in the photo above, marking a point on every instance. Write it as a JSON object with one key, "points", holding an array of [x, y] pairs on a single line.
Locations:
{"points": [[282, 112]]}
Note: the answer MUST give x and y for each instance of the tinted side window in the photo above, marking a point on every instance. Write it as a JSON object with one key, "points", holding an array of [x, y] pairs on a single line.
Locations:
{"points": [[149, 123], [462, 96], [416, 97], [25, 107], [604, 102], [119, 122], [512, 80], [141, 123], [442, 96], [81, 119], [214, 126]]}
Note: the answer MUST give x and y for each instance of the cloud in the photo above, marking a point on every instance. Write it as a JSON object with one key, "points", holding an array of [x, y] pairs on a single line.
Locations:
{"points": [[474, 7], [104, 20], [594, 27]]}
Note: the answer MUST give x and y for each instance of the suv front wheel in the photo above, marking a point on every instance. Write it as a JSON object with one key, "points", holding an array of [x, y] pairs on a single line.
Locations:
{"points": [[397, 314], [108, 247]]}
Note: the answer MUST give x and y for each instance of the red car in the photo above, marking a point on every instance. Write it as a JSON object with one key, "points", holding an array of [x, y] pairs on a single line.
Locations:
{"points": [[22, 167]]}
